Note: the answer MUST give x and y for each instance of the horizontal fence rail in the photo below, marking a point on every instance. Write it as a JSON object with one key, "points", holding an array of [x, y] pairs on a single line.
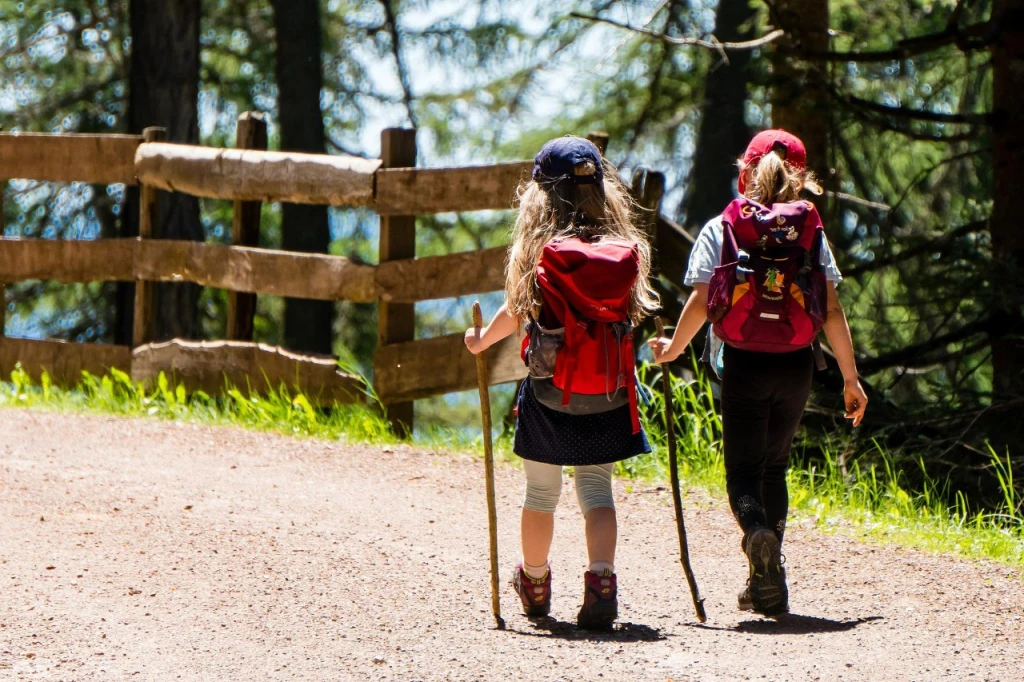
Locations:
{"points": [[252, 270], [100, 159], [248, 175], [63, 361], [427, 367], [207, 365], [412, 191]]}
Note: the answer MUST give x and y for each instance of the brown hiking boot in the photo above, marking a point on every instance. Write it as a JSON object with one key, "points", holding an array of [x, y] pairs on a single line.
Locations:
{"points": [[535, 595], [766, 591], [600, 601]]}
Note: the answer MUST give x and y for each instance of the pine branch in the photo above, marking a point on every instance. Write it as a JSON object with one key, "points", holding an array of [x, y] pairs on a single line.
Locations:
{"points": [[929, 247], [903, 128], [396, 49], [710, 44], [974, 37], [917, 355], [914, 114], [859, 201]]}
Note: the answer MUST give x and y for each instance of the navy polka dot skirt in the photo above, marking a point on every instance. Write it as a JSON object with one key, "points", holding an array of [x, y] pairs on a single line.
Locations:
{"points": [[552, 437]]}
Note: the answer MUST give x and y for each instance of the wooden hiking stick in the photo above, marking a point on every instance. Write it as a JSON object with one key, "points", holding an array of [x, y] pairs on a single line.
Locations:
{"points": [[673, 465], [492, 512]]}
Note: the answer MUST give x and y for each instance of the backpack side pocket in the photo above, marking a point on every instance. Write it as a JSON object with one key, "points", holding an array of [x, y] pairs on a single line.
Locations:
{"points": [[542, 352], [720, 291]]}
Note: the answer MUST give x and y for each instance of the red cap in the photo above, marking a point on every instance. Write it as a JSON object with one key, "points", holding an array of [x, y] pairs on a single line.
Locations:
{"points": [[788, 145]]}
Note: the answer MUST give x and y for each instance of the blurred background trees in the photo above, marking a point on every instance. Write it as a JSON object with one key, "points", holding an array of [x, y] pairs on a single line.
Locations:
{"points": [[912, 113]]}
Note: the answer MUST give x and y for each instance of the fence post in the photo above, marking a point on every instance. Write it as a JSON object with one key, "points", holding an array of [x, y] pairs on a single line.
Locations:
{"points": [[396, 322], [648, 189], [3, 285], [144, 322], [600, 140], [251, 133]]}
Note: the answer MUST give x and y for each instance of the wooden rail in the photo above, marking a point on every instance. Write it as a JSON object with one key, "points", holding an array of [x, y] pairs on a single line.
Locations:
{"points": [[252, 270], [210, 365], [62, 360], [101, 159], [412, 191], [427, 367], [244, 175], [434, 277]]}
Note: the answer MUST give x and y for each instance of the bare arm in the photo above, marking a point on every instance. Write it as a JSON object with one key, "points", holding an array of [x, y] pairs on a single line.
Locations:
{"points": [[501, 325], [691, 320], [838, 332]]}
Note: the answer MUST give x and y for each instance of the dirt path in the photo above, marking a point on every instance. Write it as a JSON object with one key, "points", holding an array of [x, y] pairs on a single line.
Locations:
{"points": [[145, 550]]}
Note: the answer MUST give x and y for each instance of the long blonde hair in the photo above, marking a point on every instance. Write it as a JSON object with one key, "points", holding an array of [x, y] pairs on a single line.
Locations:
{"points": [[773, 180], [566, 210]]}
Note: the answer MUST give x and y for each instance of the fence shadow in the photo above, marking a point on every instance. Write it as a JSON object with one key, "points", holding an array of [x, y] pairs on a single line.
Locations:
{"points": [[794, 624], [620, 632]]}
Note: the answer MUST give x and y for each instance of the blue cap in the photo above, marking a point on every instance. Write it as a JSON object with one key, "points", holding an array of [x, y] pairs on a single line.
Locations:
{"points": [[557, 160]]}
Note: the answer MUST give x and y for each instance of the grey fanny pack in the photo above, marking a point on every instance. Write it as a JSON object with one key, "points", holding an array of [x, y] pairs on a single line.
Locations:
{"points": [[541, 355]]}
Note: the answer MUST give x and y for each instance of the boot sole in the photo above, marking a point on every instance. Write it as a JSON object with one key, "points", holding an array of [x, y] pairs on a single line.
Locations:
{"points": [[768, 591]]}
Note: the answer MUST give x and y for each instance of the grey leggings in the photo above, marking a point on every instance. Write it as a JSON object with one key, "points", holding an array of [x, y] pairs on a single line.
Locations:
{"points": [[544, 486]]}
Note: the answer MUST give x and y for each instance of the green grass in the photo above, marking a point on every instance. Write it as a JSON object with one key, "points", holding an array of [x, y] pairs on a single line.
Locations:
{"points": [[873, 501], [282, 411]]}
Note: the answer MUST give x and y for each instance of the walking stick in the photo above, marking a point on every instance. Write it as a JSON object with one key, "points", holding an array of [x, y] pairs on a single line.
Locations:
{"points": [[673, 465], [492, 512]]}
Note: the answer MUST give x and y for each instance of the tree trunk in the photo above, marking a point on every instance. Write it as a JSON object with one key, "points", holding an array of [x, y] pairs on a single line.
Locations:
{"points": [[799, 96], [1008, 171], [723, 132], [164, 91], [307, 324]]}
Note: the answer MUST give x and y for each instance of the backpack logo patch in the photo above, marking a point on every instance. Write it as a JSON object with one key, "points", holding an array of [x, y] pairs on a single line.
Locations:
{"points": [[773, 282]]}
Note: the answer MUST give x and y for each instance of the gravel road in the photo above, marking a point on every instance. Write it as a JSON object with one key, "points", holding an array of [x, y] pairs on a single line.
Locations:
{"points": [[151, 550]]}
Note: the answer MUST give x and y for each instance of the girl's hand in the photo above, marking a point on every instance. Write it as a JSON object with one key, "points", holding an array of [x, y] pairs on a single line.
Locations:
{"points": [[856, 401], [662, 347], [474, 342]]}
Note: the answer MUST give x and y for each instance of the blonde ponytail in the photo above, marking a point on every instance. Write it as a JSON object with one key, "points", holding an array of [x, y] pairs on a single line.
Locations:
{"points": [[773, 181]]}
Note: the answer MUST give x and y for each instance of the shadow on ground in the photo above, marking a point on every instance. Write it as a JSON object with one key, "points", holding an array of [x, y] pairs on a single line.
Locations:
{"points": [[793, 624], [620, 632]]}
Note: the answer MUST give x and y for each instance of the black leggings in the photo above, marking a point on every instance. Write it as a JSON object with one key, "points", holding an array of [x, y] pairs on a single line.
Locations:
{"points": [[763, 399]]}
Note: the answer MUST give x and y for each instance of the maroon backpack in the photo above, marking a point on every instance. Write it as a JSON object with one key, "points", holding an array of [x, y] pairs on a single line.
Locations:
{"points": [[769, 293], [580, 353]]}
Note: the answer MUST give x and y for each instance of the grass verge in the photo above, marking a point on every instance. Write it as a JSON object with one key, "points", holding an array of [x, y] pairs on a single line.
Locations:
{"points": [[872, 500]]}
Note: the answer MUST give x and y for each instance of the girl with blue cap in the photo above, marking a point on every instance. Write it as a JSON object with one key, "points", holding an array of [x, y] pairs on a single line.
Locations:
{"points": [[577, 274]]}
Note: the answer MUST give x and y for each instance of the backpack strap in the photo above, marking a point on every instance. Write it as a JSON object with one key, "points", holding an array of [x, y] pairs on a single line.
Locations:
{"points": [[627, 374], [732, 253], [572, 330], [730, 249], [819, 356]]}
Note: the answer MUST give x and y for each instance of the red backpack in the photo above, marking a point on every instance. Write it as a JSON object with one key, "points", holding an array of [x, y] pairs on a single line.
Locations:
{"points": [[580, 353], [769, 293]]}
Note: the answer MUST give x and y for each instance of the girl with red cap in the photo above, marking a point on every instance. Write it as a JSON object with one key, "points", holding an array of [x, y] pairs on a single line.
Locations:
{"points": [[763, 274], [578, 276]]}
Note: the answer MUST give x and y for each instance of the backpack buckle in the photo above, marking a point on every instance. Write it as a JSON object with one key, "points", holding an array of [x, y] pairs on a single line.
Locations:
{"points": [[743, 271]]}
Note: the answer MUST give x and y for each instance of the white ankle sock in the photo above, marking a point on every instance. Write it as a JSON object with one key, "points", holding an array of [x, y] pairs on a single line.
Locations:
{"points": [[599, 567], [536, 572]]}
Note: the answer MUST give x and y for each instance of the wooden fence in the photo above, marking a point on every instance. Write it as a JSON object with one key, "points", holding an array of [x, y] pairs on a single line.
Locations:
{"points": [[405, 369]]}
